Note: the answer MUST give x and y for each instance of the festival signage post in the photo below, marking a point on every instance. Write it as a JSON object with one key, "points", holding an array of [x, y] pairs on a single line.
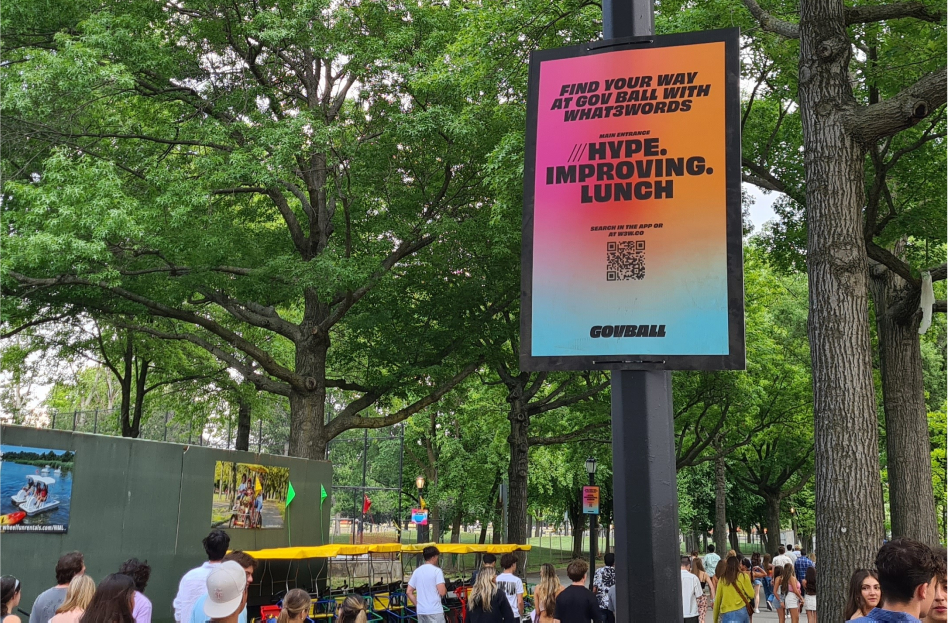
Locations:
{"points": [[632, 257]]}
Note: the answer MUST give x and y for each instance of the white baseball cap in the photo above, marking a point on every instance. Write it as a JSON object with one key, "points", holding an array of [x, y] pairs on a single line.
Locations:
{"points": [[225, 590]]}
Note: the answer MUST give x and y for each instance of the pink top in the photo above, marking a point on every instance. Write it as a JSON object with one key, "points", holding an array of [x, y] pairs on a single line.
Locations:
{"points": [[68, 617]]}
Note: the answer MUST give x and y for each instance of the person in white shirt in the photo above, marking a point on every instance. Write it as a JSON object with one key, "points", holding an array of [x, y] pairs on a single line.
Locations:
{"points": [[426, 588], [711, 561], [690, 591], [511, 584], [781, 558], [792, 554], [194, 583]]}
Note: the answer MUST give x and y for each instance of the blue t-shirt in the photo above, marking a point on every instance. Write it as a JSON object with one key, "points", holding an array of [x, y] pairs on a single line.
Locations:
{"points": [[878, 614], [198, 616]]}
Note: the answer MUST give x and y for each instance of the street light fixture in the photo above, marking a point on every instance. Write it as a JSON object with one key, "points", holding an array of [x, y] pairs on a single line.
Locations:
{"points": [[420, 482], [593, 523], [591, 466]]}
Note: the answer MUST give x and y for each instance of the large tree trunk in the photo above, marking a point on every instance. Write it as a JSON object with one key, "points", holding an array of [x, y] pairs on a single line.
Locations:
{"points": [[577, 522], [244, 413], [517, 475], [720, 506], [772, 538], [849, 517], [126, 384], [456, 528], [134, 428], [732, 537], [911, 499], [308, 437]]}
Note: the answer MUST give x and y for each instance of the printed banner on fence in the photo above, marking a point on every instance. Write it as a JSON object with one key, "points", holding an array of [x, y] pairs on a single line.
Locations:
{"points": [[36, 489], [249, 496], [632, 230]]}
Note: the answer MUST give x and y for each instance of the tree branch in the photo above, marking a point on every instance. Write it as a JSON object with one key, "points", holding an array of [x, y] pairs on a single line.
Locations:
{"points": [[868, 124], [566, 437], [32, 323], [259, 381], [764, 178], [890, 261], [938, 273], [344, 302], [349, 417], [897, 10], [770, 23], [265, 359], [565, 402]]}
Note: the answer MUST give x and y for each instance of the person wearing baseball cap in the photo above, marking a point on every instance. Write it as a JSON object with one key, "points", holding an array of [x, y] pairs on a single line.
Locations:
{"points": [[226, 592]]}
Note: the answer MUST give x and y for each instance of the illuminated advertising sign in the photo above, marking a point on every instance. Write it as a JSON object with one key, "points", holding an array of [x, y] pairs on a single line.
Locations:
{"points": [[419, 516], [632, 206], [590, 500]]}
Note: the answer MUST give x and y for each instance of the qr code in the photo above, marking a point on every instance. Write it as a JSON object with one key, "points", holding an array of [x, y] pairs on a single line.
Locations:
{"points": [[625, 260]]}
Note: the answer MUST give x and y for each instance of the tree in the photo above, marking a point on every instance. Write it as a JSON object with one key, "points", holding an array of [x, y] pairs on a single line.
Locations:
{"points": [[313, 186], [837, 133]]}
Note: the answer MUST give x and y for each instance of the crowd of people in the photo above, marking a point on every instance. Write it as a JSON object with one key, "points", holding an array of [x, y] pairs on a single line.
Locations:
{"points": [[119, 597], [907, 585]]}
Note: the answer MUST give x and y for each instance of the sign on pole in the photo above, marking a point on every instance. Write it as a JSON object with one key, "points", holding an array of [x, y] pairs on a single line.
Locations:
{"points": [[590, 500], [632, 233], [419, 516]]}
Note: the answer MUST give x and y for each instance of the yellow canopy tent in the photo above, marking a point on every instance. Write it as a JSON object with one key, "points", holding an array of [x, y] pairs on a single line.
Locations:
{"points": [[331, 551]]}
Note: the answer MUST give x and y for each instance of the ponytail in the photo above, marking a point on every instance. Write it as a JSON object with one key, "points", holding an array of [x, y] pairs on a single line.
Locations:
{"points": [[352, 610], [296, 601]]}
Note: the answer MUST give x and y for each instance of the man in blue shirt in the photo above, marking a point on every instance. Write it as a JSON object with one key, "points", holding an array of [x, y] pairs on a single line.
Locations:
{"points": [[711, 561], [800, 566], [907, 571]]}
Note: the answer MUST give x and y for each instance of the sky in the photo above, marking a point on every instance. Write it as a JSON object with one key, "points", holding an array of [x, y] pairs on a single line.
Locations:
{"points": [[762, 209]]}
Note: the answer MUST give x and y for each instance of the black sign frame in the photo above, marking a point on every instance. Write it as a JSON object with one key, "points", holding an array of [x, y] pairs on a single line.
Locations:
{"points": [[735, 358]]}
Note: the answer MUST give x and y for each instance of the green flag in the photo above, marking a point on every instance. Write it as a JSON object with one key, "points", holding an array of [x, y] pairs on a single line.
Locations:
{"points": [[290, 494], [322, 494]]}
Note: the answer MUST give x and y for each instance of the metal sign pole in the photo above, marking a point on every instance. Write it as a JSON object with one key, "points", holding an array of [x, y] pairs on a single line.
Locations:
{"points": [[646, 498], [646, 504]]}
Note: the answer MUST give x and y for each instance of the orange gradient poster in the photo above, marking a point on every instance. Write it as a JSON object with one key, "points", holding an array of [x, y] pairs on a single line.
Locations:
{"points": [[632, 231]]}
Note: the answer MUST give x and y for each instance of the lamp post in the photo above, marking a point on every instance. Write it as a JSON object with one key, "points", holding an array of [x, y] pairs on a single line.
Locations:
{"points": [[793, 523], [420, 484], [593, 523]]}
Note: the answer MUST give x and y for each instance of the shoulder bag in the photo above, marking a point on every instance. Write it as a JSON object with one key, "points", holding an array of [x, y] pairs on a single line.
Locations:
{"points": [[747, 604]]}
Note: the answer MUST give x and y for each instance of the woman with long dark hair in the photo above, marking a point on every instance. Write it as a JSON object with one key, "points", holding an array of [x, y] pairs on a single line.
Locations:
{"points": [[775, 597], [112, 602], [864, 594], [757, 574], [768, 581], [718, 574], [544, 595], [485, 603], [809, 594], [734, 592], [790, 592], [9, 598]]}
